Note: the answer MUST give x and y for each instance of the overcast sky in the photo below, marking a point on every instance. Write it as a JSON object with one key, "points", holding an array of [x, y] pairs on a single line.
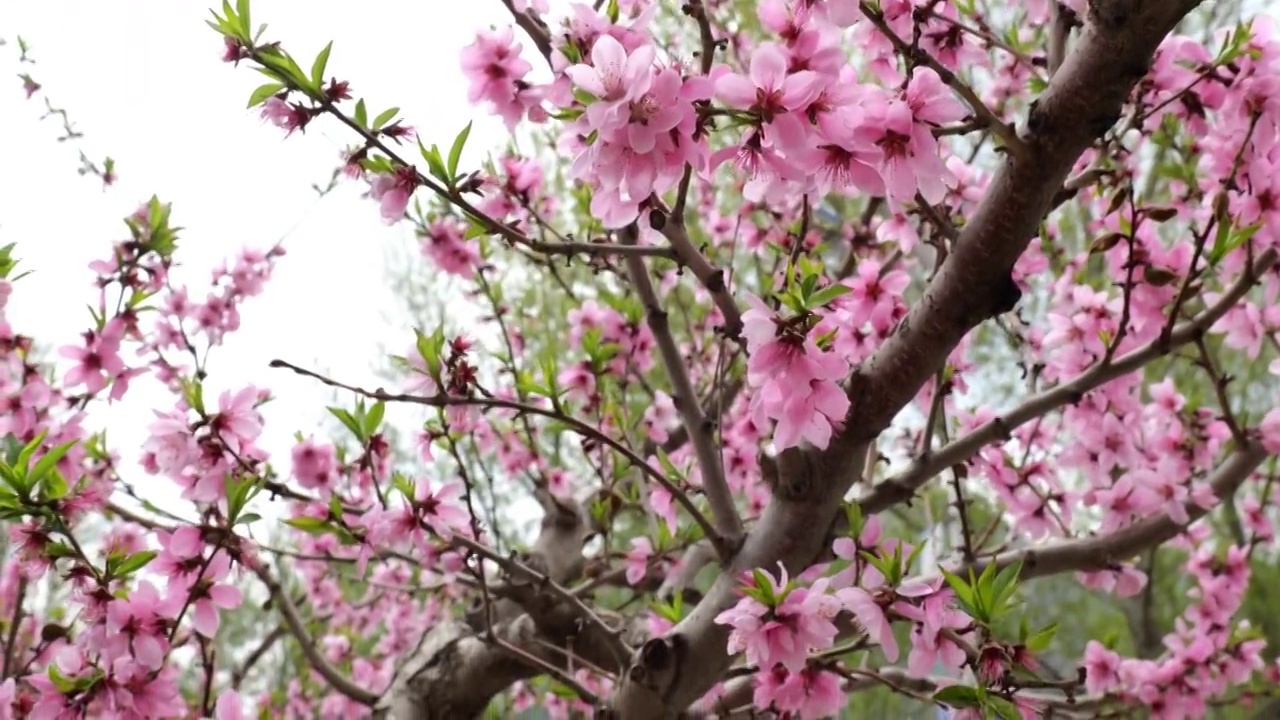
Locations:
{"points": [[144, 82]]}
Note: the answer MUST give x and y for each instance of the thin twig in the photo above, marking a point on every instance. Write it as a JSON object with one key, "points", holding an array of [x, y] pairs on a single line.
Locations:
{"points": [[700, 429], [485, 402], [293, 620], [997, 125]]}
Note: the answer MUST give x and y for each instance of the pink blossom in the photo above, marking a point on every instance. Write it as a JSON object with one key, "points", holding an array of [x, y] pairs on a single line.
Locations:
{"points": [[769, 89], [393, 191], [99, 360], [314, 465], [495, 71], [801, 623], [638, 559]]}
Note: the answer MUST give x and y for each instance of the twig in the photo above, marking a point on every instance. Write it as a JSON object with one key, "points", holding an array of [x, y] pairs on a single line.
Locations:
{"points": [[997, 125], [903, 486], [534, 27], [11, 645], [962, 508], [258, 653], [711, 277], [293, 620], [700, 429], [579, 426], [1220, 382], [561, 676]]}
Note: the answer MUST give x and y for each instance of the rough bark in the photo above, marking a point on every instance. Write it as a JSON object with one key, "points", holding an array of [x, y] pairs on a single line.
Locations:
{"points": [[1082, 102], [457, 669]]}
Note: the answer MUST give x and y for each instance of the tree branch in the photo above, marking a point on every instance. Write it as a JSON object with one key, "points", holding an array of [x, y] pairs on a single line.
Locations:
{"points": [[1082, 102], [711, 277], [297, 628], [1107, 551], [701, 430], [903, 486]]}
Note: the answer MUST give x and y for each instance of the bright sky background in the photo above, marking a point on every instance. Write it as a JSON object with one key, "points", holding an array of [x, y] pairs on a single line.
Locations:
{"points": [[144, 82]]}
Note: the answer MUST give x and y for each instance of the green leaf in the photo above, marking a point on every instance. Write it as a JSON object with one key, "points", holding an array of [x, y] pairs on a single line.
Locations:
{"points": [[318, 67], [263, 92], [763, 588], [1040, 641], [667, 466], [1005, 586], [962, 589], [1229, 239], [24, 456], [65, 685], [374, 418], [434, 162], [54, 487], [46, 463], [362, 114], [826, 295], [348, 420], [385, 117], [135, 562], [1005, 709], [248, 518], [455, 153], [242, 10], [233, 21], [957, 696], [314, 526]]}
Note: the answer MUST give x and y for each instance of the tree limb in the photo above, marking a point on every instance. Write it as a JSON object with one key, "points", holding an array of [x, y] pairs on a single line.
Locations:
{"points": [[297, 628], [901, 487], [700, 429], [1106, 551], [1083, 100]]}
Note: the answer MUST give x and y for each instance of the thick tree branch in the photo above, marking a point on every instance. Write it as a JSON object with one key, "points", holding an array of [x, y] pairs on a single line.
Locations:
{"points": [[1083, 101], [901, 487], [536, 626], [711, 277], [697, 425]]}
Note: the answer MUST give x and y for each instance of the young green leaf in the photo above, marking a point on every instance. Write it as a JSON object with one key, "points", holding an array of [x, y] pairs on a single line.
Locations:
{"points": [[1040, 641], [957, 696], [385, 117], [374, 419], [349, 421], [263, 92], [455, 152], [318, 67], [242, 10], [248, 518], [46, 463], [314, 526], [826, 295], [134, 562]]}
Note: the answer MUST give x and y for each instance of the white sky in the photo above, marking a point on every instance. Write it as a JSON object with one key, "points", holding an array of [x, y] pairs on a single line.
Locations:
{"points": [[144, 82]]}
